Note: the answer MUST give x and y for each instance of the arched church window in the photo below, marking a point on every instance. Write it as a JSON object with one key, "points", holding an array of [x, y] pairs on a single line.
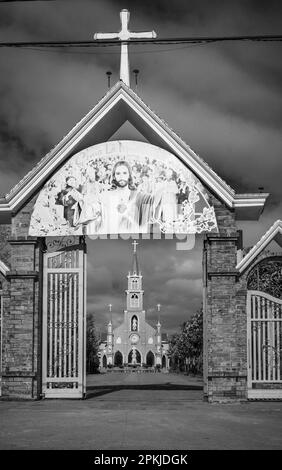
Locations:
{"points": [[134, 284], [104, 361], [134, 323], [134, 300]]}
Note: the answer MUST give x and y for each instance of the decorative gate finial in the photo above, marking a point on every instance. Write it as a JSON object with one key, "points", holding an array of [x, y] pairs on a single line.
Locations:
{"points": [[125, 35]]}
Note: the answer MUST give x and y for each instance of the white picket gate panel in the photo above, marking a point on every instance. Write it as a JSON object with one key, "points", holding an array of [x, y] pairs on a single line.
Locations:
{"points": [[1, 339], [63, 368], [264, 334]]}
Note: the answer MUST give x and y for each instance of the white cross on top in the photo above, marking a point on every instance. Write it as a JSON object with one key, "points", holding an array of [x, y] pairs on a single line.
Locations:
{"points": [[125, 35], [134, 246], [110, 307]]}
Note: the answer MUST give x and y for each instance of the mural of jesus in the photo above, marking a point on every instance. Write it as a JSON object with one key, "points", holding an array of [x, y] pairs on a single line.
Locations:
{"points": [[123, 208]]}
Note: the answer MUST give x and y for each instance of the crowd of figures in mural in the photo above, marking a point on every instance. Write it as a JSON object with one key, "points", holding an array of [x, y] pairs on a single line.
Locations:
{"points": [[98, 193]]}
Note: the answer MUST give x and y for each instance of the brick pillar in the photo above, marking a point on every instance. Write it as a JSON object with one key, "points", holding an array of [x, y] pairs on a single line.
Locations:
{"points": [[21, 327], [225, 335]]}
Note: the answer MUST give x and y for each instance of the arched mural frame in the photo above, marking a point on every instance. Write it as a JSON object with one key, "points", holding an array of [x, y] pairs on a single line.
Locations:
{"points": [[162, 194]]}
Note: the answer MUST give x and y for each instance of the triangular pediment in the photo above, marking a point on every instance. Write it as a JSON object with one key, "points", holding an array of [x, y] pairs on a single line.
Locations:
{"points": [[273, 234], [128, 132], [117, 107]]}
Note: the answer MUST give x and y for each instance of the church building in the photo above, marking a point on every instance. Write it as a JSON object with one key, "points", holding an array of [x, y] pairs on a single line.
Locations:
{"points": [[134, 342]]}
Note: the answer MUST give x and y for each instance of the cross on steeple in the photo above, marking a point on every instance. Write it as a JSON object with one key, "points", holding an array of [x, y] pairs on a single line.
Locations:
{"points": [[125, 35]]}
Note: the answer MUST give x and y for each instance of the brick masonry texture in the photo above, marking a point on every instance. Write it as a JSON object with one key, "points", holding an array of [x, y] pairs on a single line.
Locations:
{"points": [[5, 248], [20, 322], [21, 221], [225, 355]]}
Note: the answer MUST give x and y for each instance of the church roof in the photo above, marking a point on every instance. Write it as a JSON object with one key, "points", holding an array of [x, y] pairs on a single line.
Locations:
{"points": [[121, 104], [274, 233]]}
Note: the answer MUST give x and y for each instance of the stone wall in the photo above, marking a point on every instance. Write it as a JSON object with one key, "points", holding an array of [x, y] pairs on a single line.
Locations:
{"points": [[5, 252], [21, 220], [225, 354], [20, 359], [5, 248]]}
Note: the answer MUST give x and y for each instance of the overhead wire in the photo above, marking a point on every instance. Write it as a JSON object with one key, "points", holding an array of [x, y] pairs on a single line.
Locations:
{"points": [[113, 42]]}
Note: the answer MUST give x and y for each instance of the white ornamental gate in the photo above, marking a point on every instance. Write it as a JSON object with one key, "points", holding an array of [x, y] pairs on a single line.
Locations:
{"points": [[264, 331], [64, 324]]}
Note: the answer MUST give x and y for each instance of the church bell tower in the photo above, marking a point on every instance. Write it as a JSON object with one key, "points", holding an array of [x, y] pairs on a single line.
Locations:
{"points": [[134, 292]]}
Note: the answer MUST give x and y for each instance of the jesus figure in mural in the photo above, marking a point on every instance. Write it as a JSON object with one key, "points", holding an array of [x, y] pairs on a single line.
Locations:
{"points": [[123, 208]]}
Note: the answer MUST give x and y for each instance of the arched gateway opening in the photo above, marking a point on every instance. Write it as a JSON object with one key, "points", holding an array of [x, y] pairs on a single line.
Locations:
{"points": [[127, 188]]}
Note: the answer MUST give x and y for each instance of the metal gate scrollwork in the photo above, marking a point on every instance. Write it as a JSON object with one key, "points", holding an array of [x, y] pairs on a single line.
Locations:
{"points": [[64, 324], [264, 330], [266, 277]]}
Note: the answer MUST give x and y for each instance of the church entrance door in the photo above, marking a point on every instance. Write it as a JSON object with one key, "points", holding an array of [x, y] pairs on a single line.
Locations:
{"points": [[118, 359], [150, 360], [64, 323], [134, 357]]}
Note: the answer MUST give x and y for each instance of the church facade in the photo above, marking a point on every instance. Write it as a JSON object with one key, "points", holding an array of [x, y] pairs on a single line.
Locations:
{"points": [[134, 342]]}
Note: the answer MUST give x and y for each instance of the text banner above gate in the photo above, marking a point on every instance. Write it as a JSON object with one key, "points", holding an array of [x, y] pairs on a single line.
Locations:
{"points": [[122, 187]]}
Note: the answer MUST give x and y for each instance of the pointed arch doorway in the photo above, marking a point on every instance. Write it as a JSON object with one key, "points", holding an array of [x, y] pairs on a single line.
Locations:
{"points": [[118, 360], [150, 359]]}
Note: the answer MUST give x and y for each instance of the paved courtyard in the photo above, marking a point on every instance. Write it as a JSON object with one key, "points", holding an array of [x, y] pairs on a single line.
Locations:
{"points": [[140, 411]]}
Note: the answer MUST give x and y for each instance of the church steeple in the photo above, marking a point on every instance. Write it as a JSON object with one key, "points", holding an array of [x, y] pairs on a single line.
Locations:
{"points": [[134, 290]]}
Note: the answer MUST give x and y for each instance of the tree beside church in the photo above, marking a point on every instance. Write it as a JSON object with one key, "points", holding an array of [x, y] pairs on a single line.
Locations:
{"points": [[92, 345], [186, 347]]}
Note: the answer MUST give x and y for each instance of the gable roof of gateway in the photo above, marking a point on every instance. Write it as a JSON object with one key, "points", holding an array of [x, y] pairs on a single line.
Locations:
{"points": [[119, 105], [3, 268], [274, 233]]}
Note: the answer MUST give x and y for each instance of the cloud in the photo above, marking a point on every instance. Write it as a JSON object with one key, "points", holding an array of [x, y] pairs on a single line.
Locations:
{"points": [[182, 286], [223, 99]]}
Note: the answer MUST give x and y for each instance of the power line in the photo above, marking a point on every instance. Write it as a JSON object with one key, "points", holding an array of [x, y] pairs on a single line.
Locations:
{"points": [[11, 1], [114, 42], [117, 52]]}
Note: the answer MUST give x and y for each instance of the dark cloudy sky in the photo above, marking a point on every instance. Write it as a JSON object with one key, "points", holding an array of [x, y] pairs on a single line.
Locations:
{"points": [[224, 100]]}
